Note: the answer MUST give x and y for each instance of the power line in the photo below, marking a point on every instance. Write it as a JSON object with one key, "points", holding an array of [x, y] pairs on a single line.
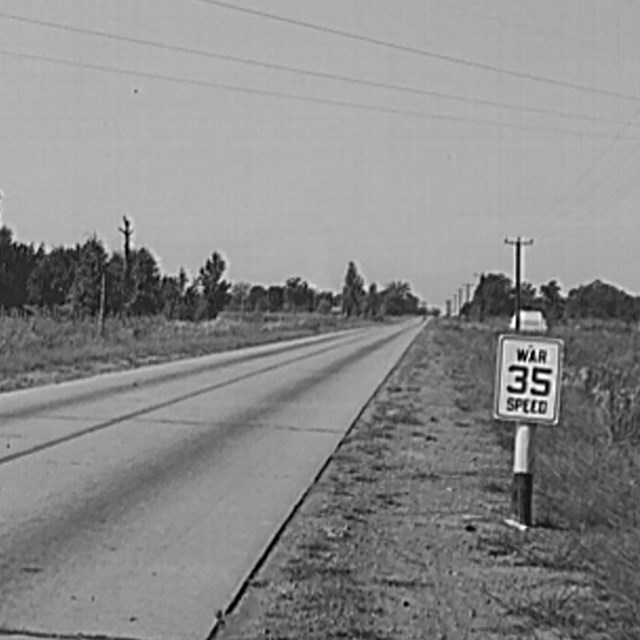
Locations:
{"points": [[608, 148], [523, 75], [571, 215], [300, 98], [599, 158], [300, 71], [595, 208], [523, 26]]}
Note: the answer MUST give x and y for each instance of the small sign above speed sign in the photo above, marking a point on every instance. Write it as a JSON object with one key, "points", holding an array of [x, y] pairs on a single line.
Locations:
{"points": [[528, 379]]}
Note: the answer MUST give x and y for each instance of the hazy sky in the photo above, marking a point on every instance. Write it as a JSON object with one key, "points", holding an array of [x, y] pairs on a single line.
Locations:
{"points": [[407, 184]]}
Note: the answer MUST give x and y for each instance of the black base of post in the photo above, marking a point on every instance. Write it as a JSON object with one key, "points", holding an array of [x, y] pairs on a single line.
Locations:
{"points": [[522, 498]]}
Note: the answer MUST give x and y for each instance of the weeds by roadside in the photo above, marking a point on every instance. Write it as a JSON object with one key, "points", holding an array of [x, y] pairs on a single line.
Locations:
{"points": [[587, 475], [39, 349]]}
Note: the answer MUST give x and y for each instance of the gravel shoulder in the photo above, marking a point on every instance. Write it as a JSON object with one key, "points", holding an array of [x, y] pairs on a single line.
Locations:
{"points": [[403, 535]]}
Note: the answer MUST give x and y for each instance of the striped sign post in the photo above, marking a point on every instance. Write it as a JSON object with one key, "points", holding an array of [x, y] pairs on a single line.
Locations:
{"points": [[527, 392]]}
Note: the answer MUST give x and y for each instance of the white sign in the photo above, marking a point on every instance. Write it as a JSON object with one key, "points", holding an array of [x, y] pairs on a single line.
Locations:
{"points": [[530, 321], [528, 378]]}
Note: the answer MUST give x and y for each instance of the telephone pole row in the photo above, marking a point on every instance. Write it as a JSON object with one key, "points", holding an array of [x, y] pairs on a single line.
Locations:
{"points": [[459, 299]]}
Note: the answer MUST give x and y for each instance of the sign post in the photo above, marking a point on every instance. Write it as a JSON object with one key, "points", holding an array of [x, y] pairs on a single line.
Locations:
{"points": [[527, 391], [523, 457]]}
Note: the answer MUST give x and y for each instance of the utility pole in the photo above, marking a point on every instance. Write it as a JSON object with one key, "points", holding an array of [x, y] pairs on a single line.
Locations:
{"points": [[467, 299], [460, 302], [480, 277], [518, 243], [127, 232], [468, 286], [523, 445]]}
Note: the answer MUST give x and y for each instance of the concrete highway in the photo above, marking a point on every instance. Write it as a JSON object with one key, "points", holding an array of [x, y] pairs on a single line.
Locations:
{"points": [[135, 505]]}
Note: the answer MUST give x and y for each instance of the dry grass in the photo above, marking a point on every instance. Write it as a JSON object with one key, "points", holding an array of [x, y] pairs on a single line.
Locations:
{"points": [[587, 471], [41, 349]]}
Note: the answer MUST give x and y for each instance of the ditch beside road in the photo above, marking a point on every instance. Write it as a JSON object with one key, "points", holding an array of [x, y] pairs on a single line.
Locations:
{"points": [[403, 534]]}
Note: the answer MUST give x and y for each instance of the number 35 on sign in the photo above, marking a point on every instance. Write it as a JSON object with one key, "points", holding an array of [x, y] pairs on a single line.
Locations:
{"points": [[528, 378]]}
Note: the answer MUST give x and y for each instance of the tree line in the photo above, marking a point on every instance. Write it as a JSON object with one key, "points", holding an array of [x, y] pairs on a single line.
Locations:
{"points": [[396, 299], [495, 296], [86, 280]]}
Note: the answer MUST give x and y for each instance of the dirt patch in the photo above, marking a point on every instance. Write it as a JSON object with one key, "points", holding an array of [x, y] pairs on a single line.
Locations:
{"points": [[403, 535]]}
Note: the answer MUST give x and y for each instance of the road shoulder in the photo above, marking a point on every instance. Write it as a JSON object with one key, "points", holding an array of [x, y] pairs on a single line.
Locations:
{"points": [[403, 534]]}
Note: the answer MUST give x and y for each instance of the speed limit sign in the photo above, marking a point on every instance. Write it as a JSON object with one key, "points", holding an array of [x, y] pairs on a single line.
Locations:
{"points": [[528, 379]]}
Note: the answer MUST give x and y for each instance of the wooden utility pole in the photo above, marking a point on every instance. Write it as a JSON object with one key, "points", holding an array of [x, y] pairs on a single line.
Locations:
{"points": [[523, 447], [518, 243], [127, 232]]}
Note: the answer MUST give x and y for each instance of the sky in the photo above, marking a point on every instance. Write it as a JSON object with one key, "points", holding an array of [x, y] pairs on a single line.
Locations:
{"points": [[410, 136]]}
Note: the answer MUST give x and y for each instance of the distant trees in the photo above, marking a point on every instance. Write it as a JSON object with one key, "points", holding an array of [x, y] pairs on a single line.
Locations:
{"points": [[257, 299], [51, 278], [325, 301], [17, 261], [86, 280], [494, 296], [397, 299], [372, 302], [352, 292], [86, 287], [528, 296], [275, 298], [553, 304], [215, 290], [601, 300], [146, 292], [79, 279], [298, 295], [171, 297], [239, 294]]}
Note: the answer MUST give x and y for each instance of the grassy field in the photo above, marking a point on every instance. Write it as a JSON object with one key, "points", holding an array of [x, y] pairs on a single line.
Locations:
{"points": [[587, 473], [40, 349]]}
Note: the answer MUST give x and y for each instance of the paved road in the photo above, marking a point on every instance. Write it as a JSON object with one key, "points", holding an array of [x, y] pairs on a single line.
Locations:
{"points": [[135, 505]]}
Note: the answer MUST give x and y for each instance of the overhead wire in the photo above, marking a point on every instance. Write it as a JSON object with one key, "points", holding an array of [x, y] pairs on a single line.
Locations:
{"points": [[526, 26], [592, 166], [596, 207], [364, 82], [324, 75], [301, 98], [449, 59], [523, 75], [300, 71]]}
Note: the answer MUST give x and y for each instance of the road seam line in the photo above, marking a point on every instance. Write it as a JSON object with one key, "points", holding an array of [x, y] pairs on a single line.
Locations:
{"points": [[271, 544], [167, 403]]}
